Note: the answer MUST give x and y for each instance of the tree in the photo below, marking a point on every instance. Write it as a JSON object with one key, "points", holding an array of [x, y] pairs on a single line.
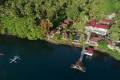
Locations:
{"points": [[100, 8], [33, 18]]}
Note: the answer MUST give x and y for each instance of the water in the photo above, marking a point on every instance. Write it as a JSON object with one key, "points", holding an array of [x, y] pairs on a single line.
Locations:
{"points": [[44, 61]]}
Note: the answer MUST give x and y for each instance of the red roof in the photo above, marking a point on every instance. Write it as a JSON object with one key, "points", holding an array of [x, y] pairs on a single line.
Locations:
{"points": [[90, 50], [102, 26], [92, 22], [106, 21]]}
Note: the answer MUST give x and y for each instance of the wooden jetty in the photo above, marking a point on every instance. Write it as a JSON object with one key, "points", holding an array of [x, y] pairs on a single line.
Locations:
{"points": [[79, 65]]}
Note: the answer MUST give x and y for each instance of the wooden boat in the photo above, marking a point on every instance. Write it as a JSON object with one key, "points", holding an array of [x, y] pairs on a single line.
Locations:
{"points": [[78, 66]]}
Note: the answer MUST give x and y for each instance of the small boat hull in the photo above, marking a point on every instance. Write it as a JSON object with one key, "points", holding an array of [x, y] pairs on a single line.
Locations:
{"points": [[78, 66]]}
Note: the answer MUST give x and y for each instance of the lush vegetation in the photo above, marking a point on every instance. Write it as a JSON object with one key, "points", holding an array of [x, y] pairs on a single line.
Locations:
{"points": [[104, 48], [33, 18]]}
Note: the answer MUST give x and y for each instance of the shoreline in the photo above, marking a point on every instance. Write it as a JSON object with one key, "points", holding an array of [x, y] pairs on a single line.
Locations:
{"points": [[68, 43], [114, 55]]}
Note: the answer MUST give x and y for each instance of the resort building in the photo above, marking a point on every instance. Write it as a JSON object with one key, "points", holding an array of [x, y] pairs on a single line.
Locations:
{"points": [[105, 21], [98, 28]]}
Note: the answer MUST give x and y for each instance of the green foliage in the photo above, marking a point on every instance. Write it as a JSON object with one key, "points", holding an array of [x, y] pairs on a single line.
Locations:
{"points": [[80, 24], [103, 47], [100, 8], [22, 27], [22, 17], [115, 29]]}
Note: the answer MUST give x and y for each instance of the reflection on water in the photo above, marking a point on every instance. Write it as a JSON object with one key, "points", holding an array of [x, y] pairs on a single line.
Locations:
{"points": [[44, 61]]}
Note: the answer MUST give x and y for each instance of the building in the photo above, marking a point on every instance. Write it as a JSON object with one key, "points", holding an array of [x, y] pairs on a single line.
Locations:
{"points": [[105, 21], [89, 51], [100, 29], [92, 43], [92, 22], [94, 39]]}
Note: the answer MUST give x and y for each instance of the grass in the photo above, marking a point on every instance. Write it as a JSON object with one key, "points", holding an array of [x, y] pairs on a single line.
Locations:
{"points": [[103, 47]]}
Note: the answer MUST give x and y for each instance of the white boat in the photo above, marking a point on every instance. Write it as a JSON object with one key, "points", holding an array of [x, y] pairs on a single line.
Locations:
{"points": [[15, 58]]}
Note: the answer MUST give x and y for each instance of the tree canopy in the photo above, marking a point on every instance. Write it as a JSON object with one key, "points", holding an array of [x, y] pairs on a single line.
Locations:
{"points": [[23, 17]]}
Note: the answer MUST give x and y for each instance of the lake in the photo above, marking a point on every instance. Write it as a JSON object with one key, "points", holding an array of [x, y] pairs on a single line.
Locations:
{"points": [[44, 61]]}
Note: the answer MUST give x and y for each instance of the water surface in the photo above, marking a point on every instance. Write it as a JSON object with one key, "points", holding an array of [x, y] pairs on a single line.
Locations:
{"points": [[45, 61]]}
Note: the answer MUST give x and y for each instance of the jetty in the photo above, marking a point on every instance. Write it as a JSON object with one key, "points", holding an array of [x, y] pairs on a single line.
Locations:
{"points": [[79, 64]]}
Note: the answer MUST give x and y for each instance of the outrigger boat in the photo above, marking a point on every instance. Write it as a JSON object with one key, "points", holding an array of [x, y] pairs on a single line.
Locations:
{"points": [[14, 59], [78, 66]]}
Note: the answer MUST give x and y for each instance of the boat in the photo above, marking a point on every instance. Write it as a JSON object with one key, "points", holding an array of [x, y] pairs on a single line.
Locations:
{"points": [[78, 66], [14, 59]]}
